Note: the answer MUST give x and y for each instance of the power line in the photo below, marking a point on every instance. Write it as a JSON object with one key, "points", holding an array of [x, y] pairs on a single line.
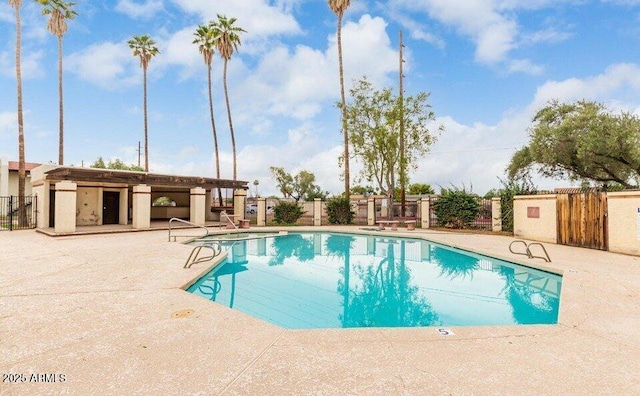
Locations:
{"points": [[473, 150]]}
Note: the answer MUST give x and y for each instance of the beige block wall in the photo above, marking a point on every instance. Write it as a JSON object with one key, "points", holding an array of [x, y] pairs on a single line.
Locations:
{"points": [[624, 222], [41, 191], [89, 206], [66, 195], [13, 184], [544, 228]]}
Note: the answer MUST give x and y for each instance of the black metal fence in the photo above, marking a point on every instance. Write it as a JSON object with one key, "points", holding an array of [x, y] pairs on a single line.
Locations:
{"points": [[17, 215], [482, 222], [412, 210]]}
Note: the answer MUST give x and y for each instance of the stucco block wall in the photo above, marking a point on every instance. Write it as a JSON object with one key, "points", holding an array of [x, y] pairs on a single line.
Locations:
{"points": [[89, 206], [543, 228], [13, 184], [624, 222]]}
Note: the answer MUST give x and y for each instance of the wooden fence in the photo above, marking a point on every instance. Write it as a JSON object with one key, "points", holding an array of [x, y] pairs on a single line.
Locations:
{"points": [[582, 220]]}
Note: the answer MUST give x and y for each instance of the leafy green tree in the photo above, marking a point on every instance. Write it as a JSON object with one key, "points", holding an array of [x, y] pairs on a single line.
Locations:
{"points": [[582, 141], [297, 186], [59, 12], [374, 125], [115, 164], [227, 39], [316, 192], [145, 48], [420, 189], [339, 7], [363, 190]]}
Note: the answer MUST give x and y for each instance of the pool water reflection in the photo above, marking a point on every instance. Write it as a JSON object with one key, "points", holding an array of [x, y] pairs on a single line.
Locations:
{"points": [[324, 280]]}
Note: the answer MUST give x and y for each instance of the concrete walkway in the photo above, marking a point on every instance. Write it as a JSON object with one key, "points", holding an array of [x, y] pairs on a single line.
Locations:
{"points": [[102, 313]]}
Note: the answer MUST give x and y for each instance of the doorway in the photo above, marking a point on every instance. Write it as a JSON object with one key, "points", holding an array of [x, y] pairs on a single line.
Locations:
{"points": [[52, 208], [110, 207]]}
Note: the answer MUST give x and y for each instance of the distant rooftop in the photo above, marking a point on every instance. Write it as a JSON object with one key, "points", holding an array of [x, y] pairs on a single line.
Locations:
{"points": [[28, 166]]}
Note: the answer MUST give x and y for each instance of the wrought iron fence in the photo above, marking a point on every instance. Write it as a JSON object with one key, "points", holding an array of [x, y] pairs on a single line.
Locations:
{"points": [[16, 214], [482, 222]]}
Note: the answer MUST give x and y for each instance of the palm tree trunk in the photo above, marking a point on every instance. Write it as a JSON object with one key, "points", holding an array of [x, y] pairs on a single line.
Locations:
{"points": [[60, 106], [233, 138], [146, 134], [22, 213], [344, 111], [215, 135]]}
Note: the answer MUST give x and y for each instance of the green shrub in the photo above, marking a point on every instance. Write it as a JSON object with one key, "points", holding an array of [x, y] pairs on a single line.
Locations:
{"points": [[456, 208], [339, 211], [287, 212]]}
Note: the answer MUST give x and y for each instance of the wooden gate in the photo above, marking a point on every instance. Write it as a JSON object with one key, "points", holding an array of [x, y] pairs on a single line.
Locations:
{"points": [[582, 220]]}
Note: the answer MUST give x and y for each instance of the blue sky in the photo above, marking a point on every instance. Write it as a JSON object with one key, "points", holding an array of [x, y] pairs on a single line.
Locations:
{"points": [[488, 64]]}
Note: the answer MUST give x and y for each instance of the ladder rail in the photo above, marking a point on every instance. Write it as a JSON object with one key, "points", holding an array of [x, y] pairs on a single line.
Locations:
{"points": [[230, 220], [173, 219], [194, 257], [546, 254], [528, 252]]}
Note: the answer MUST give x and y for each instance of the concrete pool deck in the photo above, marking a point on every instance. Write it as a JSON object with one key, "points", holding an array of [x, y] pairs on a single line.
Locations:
{"points": [[103, 311]]}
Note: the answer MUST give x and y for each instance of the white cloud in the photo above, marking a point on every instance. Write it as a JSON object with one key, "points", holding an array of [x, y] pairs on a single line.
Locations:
{"points": [[549, 35], [145, 10], [178, 49], [623, 2], [300, 83], [477, 154], [525, 66], [257, 17], [6, 13], [494, 33], [617, 82], [108, 65], [8, 123], [29, 64]]}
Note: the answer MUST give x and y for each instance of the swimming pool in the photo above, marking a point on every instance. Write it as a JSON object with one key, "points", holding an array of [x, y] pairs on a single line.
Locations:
{"points": [[328, 280]]}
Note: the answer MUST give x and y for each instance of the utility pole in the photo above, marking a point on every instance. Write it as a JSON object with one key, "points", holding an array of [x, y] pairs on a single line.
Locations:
{"points": [[402, 162], [138, 153]]}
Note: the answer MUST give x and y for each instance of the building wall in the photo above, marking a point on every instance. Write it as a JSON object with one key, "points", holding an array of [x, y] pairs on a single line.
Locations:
{"points": [[13, 184], [4, 178], [534, 217], [624, 222], [89, 206]]}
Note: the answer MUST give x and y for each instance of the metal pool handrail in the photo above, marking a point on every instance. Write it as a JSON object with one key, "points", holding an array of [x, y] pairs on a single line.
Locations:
{"points": [[527, 251], [194, 259], [189, 223], [230, 220]]}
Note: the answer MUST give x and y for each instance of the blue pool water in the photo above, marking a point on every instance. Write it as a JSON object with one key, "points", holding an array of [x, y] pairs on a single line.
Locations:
{"points": [[324, 280]]}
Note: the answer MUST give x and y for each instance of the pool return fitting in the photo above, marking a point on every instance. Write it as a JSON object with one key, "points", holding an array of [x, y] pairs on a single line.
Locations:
{"points": [[527, 251]]}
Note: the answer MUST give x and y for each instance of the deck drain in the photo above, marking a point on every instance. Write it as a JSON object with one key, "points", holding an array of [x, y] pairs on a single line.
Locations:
{"points": [[182, 313]]}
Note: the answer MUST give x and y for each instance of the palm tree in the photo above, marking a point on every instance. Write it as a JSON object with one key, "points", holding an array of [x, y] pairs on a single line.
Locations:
{"points": [[206, 40], [144, 47], [59, 12], [339, 7], [22, 215], [227, 40]]}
